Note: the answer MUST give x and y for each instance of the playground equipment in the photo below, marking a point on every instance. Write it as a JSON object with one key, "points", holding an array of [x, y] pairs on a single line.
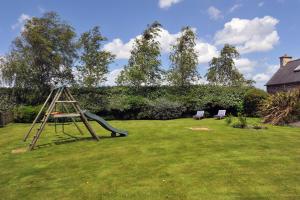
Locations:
{"points": [[61, 95]]}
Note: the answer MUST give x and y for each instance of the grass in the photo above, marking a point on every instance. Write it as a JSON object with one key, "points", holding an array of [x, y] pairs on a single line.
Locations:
{"points": [[158, 160]]}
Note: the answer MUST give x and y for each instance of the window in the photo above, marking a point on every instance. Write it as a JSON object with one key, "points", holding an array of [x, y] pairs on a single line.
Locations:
{"points": [[297, 69]]}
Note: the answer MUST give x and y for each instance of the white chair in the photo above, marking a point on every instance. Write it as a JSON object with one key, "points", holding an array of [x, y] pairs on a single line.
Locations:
{"points": [[199, 115], [221, 114]]}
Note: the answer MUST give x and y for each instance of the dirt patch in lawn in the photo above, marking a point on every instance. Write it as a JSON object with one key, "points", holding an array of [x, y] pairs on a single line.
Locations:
{"points": [[20, 150], [199, 129]]}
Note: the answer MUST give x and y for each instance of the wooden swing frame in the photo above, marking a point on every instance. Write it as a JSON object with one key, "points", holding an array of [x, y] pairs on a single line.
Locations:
{"points": [[55, 95]]}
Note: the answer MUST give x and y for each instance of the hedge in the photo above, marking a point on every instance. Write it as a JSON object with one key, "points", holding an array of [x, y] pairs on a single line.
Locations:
{"points": [[5, 118], [253, 100], [119, 102]]}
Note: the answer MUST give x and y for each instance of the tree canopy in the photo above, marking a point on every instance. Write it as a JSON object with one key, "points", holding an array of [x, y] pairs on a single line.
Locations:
{"points": [[143, 66], [94, 61], [184, 59], [43, 54], [222, 70], [46, 52]]}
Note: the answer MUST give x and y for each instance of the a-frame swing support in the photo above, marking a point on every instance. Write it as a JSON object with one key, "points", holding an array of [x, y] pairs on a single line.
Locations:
{"points": [[56, 94]]}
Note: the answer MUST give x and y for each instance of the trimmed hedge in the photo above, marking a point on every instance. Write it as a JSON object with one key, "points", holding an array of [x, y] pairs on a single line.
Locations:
{"points": [[121, 102], [6, 118], [26, 114], [161, 109], [7, 99], [253, 100]]}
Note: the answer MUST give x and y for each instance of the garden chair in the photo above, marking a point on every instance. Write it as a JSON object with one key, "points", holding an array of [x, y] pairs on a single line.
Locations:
{"points": [[199, 115], [221, 114]]}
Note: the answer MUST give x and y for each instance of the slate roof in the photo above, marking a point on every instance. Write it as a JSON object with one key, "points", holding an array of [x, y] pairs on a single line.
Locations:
{"points": [[286, 74]]}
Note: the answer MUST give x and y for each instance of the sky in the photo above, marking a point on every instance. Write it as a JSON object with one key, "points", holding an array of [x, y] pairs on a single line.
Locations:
{"points": [[262, 30]]}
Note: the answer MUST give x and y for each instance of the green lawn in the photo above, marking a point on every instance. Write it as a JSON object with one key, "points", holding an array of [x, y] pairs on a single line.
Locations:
{"points": [[158, 160]]}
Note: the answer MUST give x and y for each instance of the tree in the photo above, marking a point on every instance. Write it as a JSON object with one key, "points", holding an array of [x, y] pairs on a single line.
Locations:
{"points": [[43, 54], [222, 70], [184, 59], [143, 64], [94, 61]]}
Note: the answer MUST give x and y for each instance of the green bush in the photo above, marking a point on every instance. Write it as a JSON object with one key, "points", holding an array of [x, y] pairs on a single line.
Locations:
{"points": [[242, 122], [7, 101], [253, 100], [124, 107], [93, 99], [161, 109], [229, 119], [134, 103], [6, 104], [25, 114]]}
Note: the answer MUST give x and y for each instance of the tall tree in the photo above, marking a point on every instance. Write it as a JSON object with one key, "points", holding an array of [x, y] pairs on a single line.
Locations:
{"points": [[184, 59], [94, 61], [222, 70], [43, 54], [143, 66]]}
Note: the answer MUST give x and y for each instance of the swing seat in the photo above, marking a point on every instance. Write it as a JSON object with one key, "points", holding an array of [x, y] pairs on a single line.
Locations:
{"points": [[62, 115], [55, 113]]}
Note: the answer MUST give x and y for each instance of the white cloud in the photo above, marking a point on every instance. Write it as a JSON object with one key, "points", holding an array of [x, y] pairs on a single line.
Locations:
{"points": [[235, 7], [261, 4], [205, 51], [20, 23], [41, 9], [167, 3], [244, 65], [214, 13], [261, 77], [167, 39], [122, 50], [200, 81], [112, 77], [258, 34], [271, 69], [119, 48]]}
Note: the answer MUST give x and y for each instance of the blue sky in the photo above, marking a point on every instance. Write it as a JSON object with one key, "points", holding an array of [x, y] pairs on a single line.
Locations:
{"points": [[262, 30]]}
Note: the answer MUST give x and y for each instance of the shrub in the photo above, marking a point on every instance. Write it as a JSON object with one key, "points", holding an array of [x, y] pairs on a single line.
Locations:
{"points": [[229, 119], [242, 122], [252, 101], [25, 114], [161, 109], [7, 100], [236, 125], [125, 107], [281, 108], [93, 99], [6, 103], [128, 102]]}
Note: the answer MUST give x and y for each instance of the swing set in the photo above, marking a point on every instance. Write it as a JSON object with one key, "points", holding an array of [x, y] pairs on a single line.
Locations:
{"points": [[60, 95]]}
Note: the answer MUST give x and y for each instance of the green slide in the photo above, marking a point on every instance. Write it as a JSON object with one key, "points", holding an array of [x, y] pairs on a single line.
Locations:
{"points": [[104, 124]]}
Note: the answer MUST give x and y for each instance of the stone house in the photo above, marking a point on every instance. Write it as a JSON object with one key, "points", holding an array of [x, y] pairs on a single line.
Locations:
{"points": [[287, 77]]}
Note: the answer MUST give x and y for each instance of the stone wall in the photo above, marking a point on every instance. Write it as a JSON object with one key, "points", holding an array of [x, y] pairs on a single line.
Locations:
{"points": [[282, 88]]}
